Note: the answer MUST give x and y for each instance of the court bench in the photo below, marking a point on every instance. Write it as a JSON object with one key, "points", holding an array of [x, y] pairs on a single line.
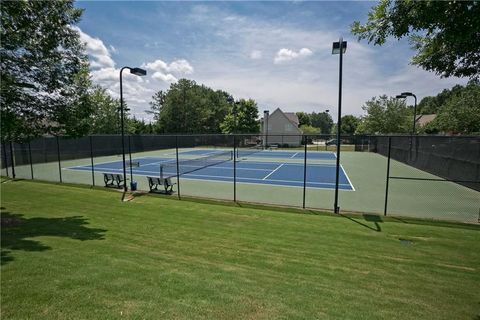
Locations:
{"points": [[155, 182], [114, 180]]}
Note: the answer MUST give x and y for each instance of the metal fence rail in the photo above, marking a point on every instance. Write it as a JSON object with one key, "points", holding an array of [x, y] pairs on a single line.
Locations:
{"points": [[435, 177]]}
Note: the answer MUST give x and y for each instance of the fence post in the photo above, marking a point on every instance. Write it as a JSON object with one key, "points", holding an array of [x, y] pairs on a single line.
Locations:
{"points": [[5, 157], [388, 176], [130, 159], [12, 159], [178, 169], [30, 158], [305, 138], [91, 161], [234, 169], [59, 164]]}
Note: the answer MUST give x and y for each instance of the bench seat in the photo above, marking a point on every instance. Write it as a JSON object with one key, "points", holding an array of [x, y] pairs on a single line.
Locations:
{"points": [[154, 183], [113, 180]]}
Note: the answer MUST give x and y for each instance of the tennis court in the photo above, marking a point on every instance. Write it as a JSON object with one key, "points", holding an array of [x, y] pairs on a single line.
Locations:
{"points": [[217, 165]]}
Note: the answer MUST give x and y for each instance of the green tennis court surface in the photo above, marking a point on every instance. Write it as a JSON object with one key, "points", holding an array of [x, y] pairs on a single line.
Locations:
{"points": [[156, 257]]}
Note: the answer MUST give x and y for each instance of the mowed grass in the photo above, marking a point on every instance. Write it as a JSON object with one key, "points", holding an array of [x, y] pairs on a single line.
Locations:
{"points": [[78, 253]]}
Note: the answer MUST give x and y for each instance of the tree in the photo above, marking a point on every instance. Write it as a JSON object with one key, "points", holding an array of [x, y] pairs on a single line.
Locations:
{"points": [[444, 33], [44, 70], [105, 118], [322, 120], [135, 126], [247, 114], [349, 124], [187, 107], [306, 129], [461, 113], [385, 115], [430, 105], [303, 118]]}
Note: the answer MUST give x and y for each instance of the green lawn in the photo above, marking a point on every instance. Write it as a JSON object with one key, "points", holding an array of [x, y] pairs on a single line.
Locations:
{"points": [[80, 253]]}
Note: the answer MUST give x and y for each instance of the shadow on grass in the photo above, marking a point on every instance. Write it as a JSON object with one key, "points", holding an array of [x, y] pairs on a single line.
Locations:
{"points": [[17, 232], [369, 218]]}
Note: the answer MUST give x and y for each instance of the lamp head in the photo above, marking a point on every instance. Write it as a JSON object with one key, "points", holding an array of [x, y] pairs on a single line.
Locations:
{"points": [[336, 47], [401, 96], [138, 71]]}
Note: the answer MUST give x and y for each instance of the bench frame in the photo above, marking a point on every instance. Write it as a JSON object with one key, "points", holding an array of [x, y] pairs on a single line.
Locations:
{"points": [[155, 182], [113, 180]]}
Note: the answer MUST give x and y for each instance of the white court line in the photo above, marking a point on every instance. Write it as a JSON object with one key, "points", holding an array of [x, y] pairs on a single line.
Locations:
{"points": [[159, 162], [95, 163], [223, 177], [294, 155], [293, 164], [268, 175], [256, 179], [150, 173], [345, 173]]}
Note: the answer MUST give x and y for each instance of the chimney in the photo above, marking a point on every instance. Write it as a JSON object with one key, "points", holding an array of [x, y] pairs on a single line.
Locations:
{"points": [[265, 128]]}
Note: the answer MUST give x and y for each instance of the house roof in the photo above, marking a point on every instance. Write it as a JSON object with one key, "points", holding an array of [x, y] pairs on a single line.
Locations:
{"points": [[292, 117], [423, 119], [289, 116]]}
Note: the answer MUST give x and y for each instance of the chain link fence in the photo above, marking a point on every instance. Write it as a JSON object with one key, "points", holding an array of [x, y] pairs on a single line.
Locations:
{"points": [[433, 177]]}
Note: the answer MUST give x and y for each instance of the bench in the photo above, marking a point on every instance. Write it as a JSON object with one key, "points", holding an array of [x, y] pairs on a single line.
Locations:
{"points": [[113, 180], [273, 146], [155, 182]]}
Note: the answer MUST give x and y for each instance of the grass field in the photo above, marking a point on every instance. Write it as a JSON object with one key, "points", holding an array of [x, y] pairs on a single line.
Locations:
{"points": [[80, 253]]}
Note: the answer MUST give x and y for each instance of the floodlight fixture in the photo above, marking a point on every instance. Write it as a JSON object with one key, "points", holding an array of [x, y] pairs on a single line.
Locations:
{"points": [[336, 47], [138, 72]]}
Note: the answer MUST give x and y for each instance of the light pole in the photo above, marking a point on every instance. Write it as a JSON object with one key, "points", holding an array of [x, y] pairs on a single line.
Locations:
{"points": [[339, 48], [404, 95], [327, 112], [234, 109], [409, 94], [137, 72]]}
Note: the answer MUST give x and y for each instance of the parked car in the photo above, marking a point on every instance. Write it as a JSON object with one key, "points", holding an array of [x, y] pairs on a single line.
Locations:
{"points": [[331, 142]]}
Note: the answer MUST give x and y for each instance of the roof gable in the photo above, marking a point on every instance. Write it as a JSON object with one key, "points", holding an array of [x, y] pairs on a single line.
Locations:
{"points": [[284, 116]]}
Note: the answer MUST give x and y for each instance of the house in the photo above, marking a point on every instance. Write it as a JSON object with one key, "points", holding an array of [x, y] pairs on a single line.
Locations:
{"points": [[424, 119], [282, 128]]}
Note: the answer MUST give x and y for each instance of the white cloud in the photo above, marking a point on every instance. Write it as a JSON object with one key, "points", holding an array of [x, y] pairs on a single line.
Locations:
{"points": [[180, 66], [177, 66], [284, 54], [165, 71], [157, 65], [96, 49], [137, 91], [164, 77], [256, 54], [113, 49]]}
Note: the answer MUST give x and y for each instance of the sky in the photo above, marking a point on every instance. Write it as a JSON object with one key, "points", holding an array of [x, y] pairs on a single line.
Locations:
{"points": [[277, 53]]}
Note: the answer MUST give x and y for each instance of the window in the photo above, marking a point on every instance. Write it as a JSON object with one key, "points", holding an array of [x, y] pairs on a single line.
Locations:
{"points": [[288, 127]]}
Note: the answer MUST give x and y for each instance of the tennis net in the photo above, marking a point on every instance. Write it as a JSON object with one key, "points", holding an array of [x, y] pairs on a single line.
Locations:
{"points": [[185, 166], [246, 152]]}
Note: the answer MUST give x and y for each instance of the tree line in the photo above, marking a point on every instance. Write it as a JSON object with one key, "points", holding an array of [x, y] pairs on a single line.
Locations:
{"points": [[46, 86], [456, 111]]}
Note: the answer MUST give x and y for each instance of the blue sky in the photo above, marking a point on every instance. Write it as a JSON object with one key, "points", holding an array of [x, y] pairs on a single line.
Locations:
{"points": [[278, 53]]}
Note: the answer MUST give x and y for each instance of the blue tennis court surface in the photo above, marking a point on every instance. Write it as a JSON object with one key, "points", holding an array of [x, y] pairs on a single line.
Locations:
{"points": [[280, 173]]}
